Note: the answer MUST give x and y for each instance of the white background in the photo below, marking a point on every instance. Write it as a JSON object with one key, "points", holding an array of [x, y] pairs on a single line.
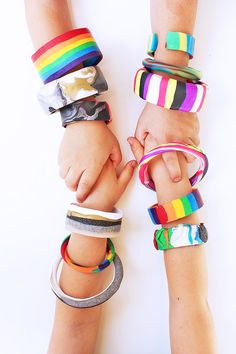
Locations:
{"points": [[33, 199]]}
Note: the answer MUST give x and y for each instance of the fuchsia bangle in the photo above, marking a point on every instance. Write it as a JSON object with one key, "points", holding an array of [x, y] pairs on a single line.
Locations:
{"points": [[176, 209], [161, 149]]}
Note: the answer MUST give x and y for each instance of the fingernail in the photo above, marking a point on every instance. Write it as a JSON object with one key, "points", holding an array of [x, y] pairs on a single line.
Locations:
{"points": [[133, 163], [177, 179], [130, 141]]}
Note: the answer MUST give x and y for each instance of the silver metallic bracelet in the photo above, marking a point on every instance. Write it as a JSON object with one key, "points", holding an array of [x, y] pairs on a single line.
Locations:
{"points": [[91, 301], [70, 88]]}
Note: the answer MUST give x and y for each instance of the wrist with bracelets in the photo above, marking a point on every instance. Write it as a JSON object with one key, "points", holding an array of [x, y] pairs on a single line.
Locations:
{"points": [[67, 88]]}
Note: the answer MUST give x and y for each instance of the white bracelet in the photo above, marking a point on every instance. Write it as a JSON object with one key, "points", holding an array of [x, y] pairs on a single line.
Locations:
{"points": [[117, 214]]}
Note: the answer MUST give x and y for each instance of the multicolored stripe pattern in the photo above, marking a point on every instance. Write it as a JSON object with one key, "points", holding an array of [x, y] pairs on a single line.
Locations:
{"points": [[184, 72], [65, 52], [152, 44], [110, 254], [176, 209], [180, 41], [181, 235], [169, 93], [161, 149]]}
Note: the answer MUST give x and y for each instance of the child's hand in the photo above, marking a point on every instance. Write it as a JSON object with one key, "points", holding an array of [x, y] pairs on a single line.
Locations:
{"points": [[168, 126], [109, 187], [85, 148]]}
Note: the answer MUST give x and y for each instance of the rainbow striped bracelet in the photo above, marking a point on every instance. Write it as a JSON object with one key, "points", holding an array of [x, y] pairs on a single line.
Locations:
{"points": [[176, 209], [161, 149], [169, 93], [66, 52], [181, 235], [184, 72], [110, 255]]}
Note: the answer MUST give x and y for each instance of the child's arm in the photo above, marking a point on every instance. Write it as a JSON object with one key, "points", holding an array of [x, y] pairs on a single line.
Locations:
{"points": [[75, 330], [46, 20], [191, 325], [169, 126]]}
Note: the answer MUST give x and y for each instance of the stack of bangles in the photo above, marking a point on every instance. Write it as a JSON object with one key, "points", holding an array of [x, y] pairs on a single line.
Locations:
{"points": [[176, 88], [93, 223], [67, 65]]}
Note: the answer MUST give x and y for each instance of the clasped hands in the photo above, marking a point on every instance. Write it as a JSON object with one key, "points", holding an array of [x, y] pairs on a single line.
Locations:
{"points": [[90, 153]]}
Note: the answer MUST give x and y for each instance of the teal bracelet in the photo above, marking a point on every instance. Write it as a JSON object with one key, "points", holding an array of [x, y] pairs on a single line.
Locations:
{"points": [[180, 41], [174, 41]]}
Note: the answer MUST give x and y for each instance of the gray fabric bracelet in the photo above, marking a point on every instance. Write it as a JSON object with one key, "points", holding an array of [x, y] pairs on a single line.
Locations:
{"points": [[91, 301], [85, 110], [70, 88]]}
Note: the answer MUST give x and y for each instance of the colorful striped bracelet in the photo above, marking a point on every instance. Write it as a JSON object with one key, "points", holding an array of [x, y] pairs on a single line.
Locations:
{"points": [[169, 93], [92, 301], [152, 44], [161, 149], [180, 41], [72, 87], [85, 110], [176, 209], [110, 254], [174, 41], [184, 72], [65, 52], [181, 235]]}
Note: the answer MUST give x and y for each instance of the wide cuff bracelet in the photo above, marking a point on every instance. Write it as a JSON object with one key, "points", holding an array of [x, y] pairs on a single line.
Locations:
{"points": [[75, 86], [85, 110], [180, 236]]}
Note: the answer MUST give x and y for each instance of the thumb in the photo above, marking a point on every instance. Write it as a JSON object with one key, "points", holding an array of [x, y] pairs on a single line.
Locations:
{"points": [[136, 147], [126, 175]]}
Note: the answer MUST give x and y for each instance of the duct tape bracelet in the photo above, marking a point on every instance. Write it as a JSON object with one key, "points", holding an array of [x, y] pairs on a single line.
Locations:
{"points": [[169, 93], [66, 52], [174, 41], [184, 72], [180, 236], [110, 254], [180, 41], [91, 301], [176, 209], [161, 149], [85, 110], [93, 223], [75, 86]]}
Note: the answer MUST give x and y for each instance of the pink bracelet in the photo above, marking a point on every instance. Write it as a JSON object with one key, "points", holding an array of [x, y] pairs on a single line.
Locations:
{"points": [[161, 149]]}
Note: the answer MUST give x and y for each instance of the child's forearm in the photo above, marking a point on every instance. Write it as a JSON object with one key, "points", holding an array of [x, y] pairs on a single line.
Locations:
{"points": [[191, 327], [47, 19]]}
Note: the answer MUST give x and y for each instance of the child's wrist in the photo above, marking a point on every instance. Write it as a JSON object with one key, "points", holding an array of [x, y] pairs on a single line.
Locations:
{"points": [[172, 57]]}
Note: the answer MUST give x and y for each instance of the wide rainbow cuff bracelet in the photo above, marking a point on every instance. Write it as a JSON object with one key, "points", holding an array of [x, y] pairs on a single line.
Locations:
{"points": [[161, 149], [66, 52], [176, 209], [180, 236], [169, 93]]}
